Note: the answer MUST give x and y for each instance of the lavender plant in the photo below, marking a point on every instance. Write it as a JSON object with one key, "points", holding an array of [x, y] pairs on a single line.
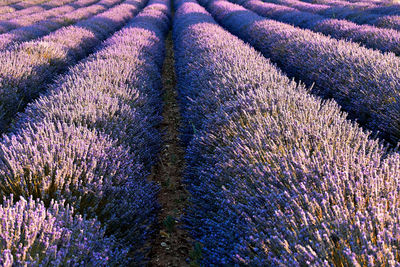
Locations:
{"points": [[363, 81], [277, 176]]}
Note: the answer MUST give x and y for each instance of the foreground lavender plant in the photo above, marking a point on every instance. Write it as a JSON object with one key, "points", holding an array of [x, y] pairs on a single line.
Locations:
{"points": [[33, 235], [92, 139], [26, 69], [277, 176], [363, 81]]}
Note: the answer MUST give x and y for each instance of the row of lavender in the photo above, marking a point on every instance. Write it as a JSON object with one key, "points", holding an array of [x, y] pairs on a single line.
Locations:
{"points": [[383, 17], [363, 81], [386, 40], [26, 69], [86, 148], [277, 176], [45, 27], [21, 21], [26, 8]]}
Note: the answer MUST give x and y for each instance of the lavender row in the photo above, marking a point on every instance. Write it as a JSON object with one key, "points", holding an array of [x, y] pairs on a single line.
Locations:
{"points": [[363, 81], [10, 13], [22, 4], [31, 10], [277, 177], [385, 40], [45, 27], [90, 142], [22, 21], [26, 69], [384, 17]]}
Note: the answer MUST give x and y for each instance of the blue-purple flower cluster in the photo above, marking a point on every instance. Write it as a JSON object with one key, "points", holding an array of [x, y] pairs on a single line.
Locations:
{"points": [[35, 234], [28, 68], [89, 143], [386, 40], [277, 176], [363, 81]]}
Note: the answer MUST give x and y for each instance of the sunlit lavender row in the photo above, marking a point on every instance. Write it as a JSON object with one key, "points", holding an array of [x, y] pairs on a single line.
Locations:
{"points": [[23, 21], [277, 176], [363, 81], [45, 27], [87, 146], [386, 40], [383, 16]]}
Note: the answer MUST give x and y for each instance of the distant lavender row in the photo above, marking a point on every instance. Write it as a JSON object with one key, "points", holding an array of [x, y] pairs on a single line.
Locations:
{"points": [[384, 17], [363, 81], [386, 40], [21, 21], [26, 69], [277, 177], [45, 27], [31, 10], [8, 12], [22, 4], [91, 140]]}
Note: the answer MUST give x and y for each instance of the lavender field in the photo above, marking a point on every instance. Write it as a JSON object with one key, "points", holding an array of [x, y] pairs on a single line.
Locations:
{"points": [[199, 133]]}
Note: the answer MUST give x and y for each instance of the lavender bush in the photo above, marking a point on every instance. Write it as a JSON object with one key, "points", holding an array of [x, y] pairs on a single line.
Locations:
{"points": [[92, 138], [26, 69], [363, 81], [33, 235], [277, 176]]}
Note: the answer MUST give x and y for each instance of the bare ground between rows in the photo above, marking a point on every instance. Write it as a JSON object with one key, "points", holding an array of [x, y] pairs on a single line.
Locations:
{"points": [[171, 245]]}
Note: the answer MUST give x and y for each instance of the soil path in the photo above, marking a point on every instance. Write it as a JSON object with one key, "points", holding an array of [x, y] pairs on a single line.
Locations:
{"points": [[171, 245]]}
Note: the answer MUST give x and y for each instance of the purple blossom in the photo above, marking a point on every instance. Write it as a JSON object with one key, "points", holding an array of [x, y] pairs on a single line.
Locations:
{"points": [[34, 234]]}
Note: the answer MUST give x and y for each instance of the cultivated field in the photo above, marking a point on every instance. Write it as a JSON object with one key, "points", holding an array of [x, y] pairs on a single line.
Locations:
{"points": [[199, 133]]}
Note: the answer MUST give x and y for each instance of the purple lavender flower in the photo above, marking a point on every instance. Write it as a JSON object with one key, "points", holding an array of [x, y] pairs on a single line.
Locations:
{"points": [[33, 234]]}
